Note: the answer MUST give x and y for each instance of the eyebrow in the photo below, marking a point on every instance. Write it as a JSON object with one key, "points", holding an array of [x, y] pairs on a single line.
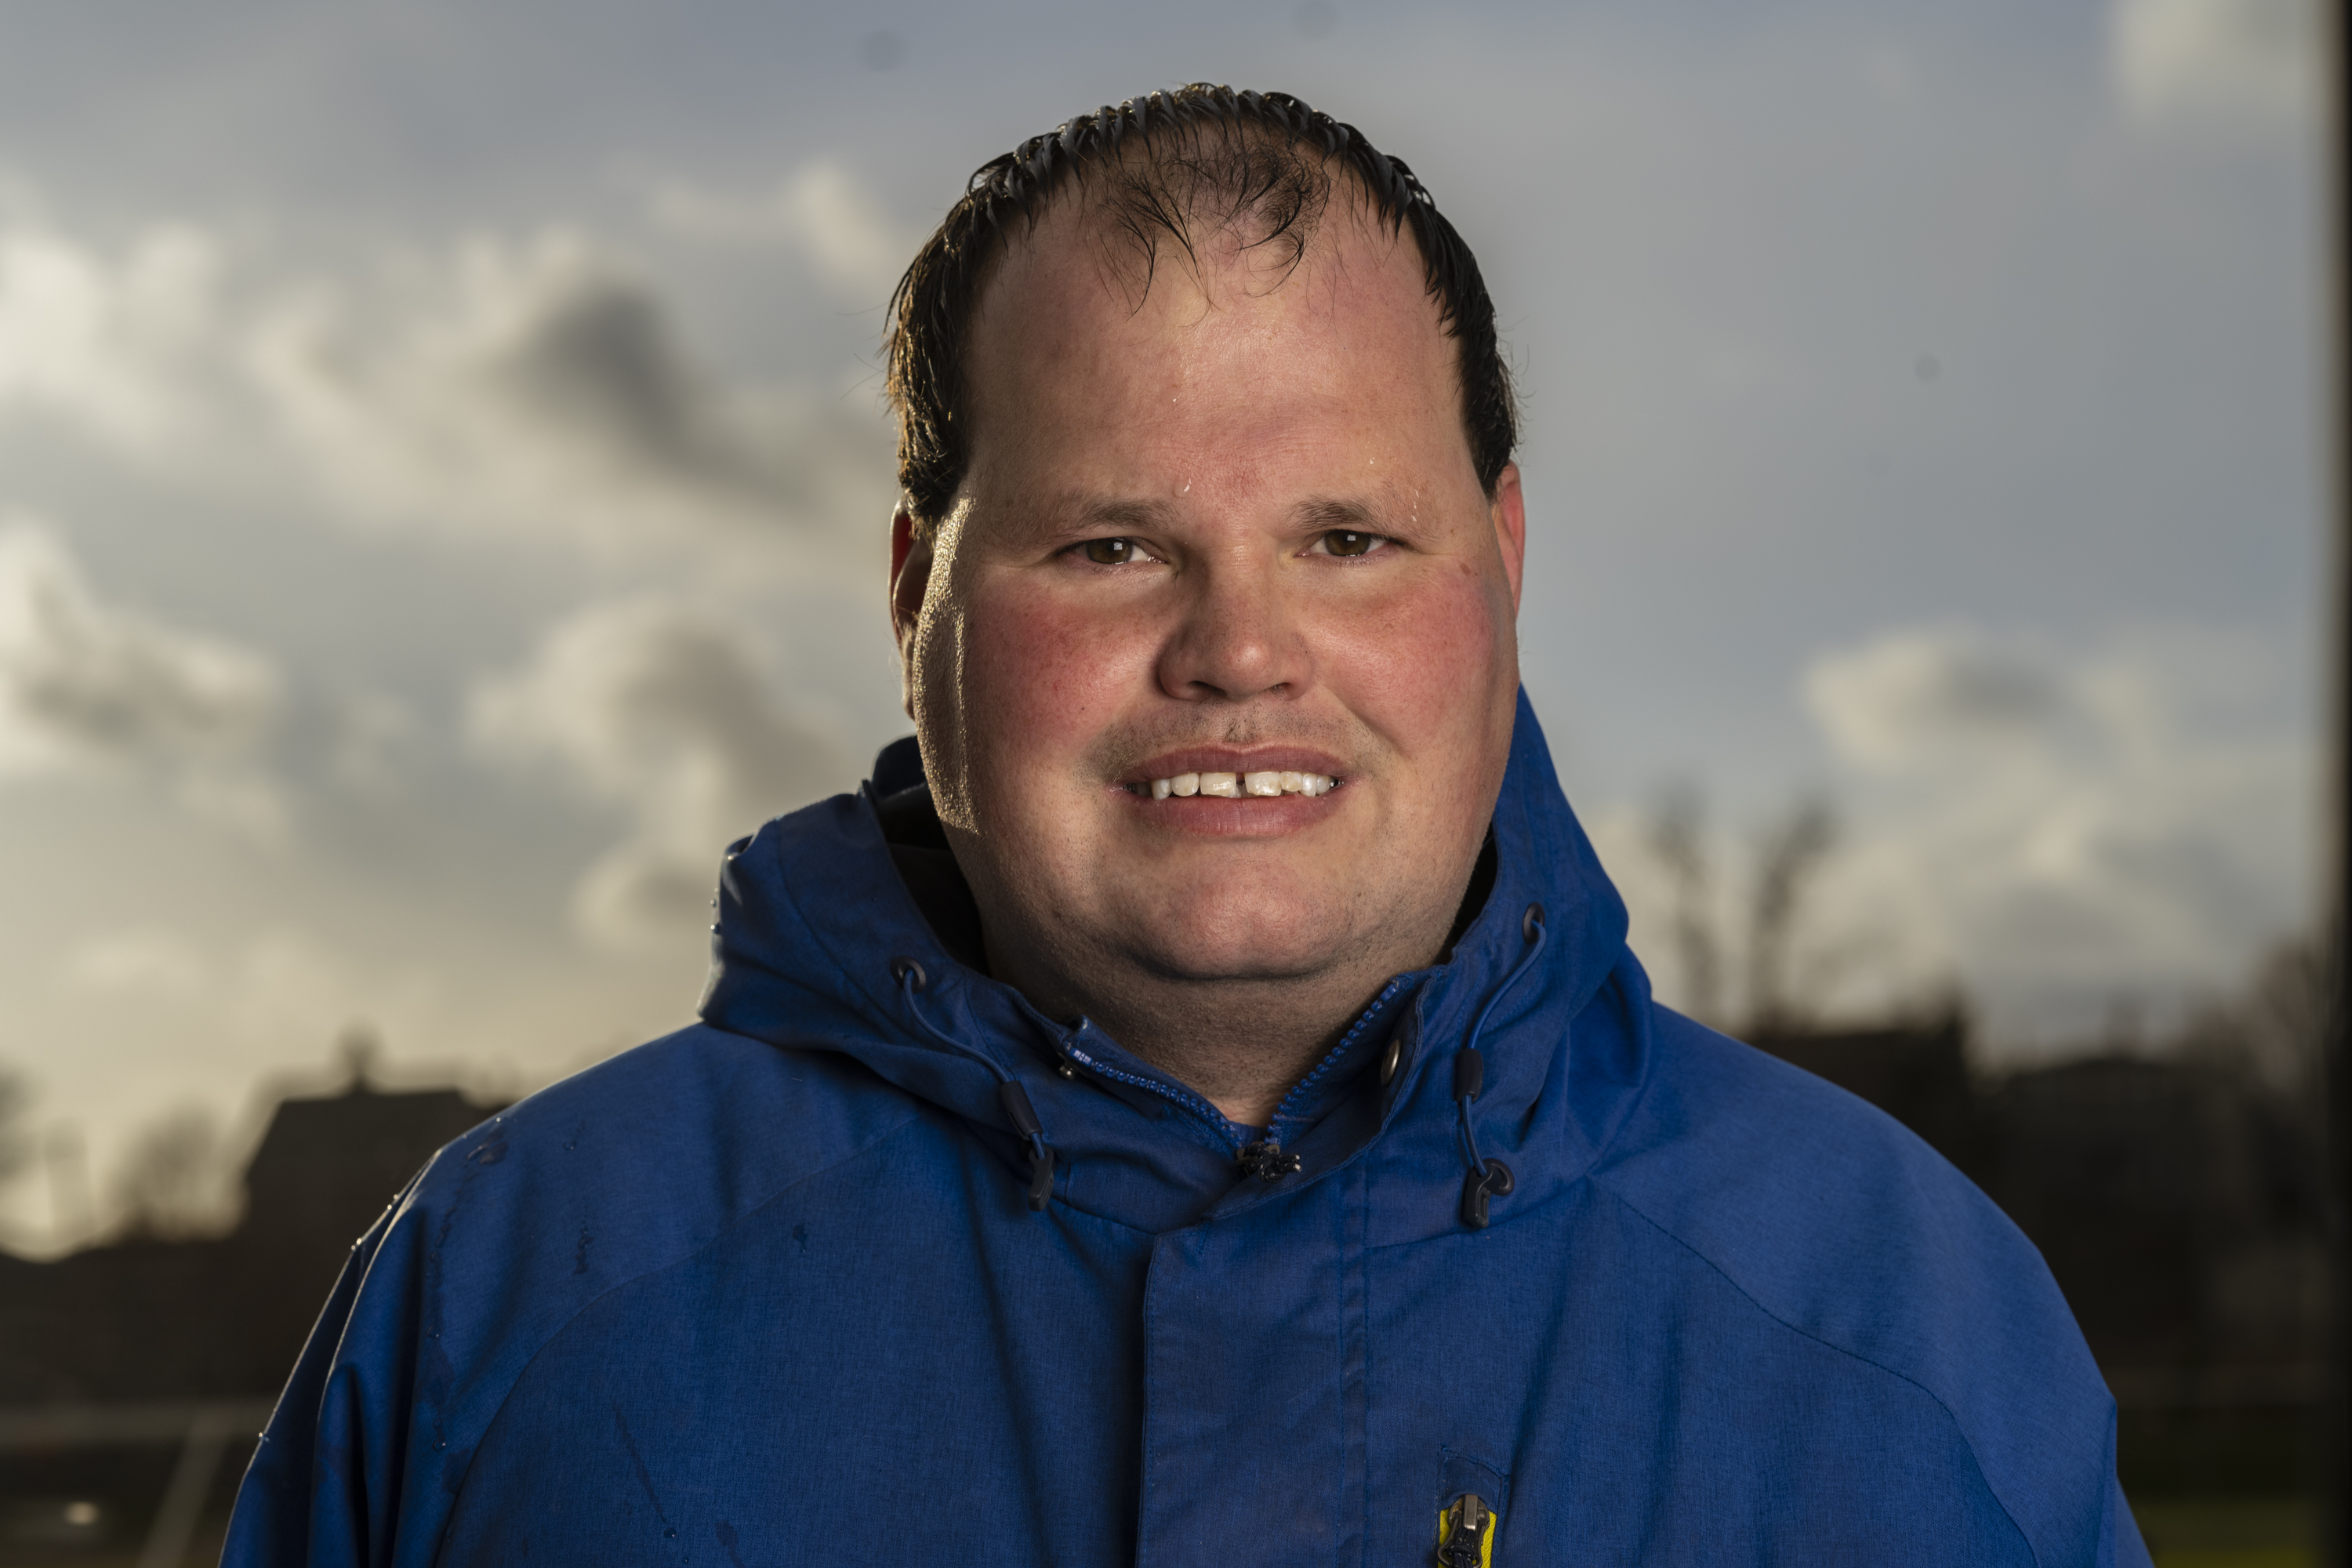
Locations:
{"points": [[1072, 515], [1321, 514], [1075, 515], [1137, 514], [1317, 514]]}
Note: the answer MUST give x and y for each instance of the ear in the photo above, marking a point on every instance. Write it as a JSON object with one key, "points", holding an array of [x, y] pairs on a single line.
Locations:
{"points": [[1509, 509], [911, 579]]}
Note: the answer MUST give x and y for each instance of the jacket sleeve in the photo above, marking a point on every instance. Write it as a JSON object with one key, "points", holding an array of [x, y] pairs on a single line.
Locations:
{"points": [[324, 1486]]}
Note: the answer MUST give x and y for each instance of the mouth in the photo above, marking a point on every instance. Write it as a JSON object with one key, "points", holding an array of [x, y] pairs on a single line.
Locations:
{"points": [[1219, 774]]}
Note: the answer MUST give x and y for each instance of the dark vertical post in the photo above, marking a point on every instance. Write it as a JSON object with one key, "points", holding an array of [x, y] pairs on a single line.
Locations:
{"points": [[2332, 1452]]}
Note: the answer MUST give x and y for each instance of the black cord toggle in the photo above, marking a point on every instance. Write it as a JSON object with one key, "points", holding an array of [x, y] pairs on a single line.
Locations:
{"points": [[1486, 1178], [1015, 1100], [1267, 1160], [1477, 1186]]}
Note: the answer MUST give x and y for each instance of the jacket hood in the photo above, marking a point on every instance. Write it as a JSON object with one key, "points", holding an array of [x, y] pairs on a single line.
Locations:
{"points": [[819, 946]]}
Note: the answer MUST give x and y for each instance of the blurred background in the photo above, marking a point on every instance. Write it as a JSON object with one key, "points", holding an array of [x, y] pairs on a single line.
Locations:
{"points": [[443, 499]]}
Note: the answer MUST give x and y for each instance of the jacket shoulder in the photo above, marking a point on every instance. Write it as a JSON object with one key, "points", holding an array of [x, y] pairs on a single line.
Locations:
{"points": [[1842, 1225], [627, 1166], [504, 1237]]}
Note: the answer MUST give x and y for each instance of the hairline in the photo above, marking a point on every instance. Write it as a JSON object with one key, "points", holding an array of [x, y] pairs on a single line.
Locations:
{"points": [[1347, 187], [1200, 136]]}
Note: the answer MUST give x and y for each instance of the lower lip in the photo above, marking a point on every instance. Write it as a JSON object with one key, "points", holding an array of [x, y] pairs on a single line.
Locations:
{"points": [[1243, 816]]}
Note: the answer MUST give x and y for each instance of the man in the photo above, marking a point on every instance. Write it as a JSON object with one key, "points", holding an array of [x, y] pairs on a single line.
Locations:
{"points": [[1198, 1106]]}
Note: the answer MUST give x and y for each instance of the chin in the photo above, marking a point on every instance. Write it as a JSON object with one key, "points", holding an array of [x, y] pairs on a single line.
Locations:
{"points": [[1237, 961], [1206, 938]]}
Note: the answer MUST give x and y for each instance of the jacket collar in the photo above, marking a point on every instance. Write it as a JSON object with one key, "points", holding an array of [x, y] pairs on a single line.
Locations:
{"points": [[819, 945]]}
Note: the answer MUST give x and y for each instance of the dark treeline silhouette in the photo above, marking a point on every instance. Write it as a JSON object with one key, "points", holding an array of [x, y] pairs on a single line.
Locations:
{"points": [[2176, 1189], [147, 1317], [134, 1373], [2177, 1200]]}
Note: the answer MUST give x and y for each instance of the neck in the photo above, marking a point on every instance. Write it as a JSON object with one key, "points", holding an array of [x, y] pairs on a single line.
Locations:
{"points": [[1240, 1044]]}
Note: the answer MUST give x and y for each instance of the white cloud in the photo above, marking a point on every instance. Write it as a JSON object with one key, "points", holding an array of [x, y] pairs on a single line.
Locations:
{"points": [[502, 389], [820, 212], [82, 681], [109, 343], [2057, 834], [2248, 61], [1913, 699], [2061, 832], [672, 715]]}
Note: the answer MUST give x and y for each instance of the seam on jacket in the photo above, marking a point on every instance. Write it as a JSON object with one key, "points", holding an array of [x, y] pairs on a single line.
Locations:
{"points": [[1950, 1415], [559, 1330]]}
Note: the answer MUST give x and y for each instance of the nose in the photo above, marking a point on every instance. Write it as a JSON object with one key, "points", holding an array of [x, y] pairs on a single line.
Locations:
{"points": [[1238, 639]]}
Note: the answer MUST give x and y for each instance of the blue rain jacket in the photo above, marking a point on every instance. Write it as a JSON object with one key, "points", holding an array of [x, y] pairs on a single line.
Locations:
{"points": [[772, 1289]]}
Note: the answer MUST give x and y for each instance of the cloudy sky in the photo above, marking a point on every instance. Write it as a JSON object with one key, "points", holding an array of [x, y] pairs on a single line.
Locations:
{"points": [[443, 485]]}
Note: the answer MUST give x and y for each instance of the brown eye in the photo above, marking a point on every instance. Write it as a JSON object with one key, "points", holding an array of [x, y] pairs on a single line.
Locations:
{"points": [[1348, 542], [1109, 552]]}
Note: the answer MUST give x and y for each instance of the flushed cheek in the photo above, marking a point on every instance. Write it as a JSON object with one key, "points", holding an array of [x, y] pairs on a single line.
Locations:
{"points": [[1411, 668], [1043, 680]]}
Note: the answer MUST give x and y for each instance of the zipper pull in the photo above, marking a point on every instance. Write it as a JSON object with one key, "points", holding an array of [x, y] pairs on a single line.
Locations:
{"points": [[1465, 1533], [1266, 1161]]}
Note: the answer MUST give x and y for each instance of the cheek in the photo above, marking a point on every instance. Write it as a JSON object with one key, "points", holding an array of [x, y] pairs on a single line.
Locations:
{"points": [[1042, 672], [1417, 665]]}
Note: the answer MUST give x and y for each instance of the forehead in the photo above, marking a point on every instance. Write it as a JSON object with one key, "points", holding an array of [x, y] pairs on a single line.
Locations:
{"points": [[1082, 336]]}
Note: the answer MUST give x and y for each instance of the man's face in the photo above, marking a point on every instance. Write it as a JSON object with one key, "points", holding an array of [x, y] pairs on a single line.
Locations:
{"points": [[1229, 530]]}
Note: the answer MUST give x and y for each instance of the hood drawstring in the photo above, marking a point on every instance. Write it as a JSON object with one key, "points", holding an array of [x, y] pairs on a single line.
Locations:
{"points": [[1487, 1178], [1484, 1179], [1009, 1093]]}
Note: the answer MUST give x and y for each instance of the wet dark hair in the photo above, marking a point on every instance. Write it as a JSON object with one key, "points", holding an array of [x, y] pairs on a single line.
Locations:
{"points": [[1262, 165]]}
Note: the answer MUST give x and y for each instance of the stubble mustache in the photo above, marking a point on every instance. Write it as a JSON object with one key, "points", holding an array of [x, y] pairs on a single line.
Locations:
{"points": [[1118, 753]]}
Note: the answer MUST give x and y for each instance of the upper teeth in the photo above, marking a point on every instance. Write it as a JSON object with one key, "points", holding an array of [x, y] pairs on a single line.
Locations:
{"points": [[1269, 783]]}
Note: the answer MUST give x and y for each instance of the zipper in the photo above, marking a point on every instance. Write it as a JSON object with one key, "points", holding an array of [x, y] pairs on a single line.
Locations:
{"points": [[1236, 1136], [1183, 1098], [1465, 1533], [1355, 1032]]}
